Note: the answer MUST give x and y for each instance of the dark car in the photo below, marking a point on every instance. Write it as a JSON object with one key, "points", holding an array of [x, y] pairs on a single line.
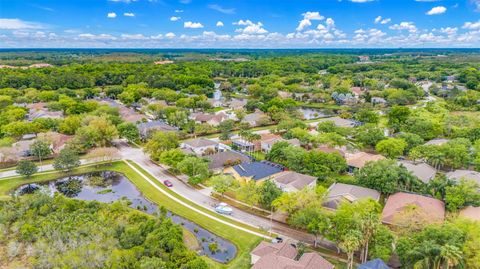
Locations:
{"points": [[168, 183]]}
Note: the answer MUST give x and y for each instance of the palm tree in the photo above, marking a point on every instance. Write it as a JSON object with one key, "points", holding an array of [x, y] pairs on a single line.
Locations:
{"points": [[451, 255]]}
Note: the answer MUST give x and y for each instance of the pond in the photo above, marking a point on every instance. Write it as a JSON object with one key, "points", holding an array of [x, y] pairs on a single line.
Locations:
{"points": [[313, 113], [111, 186]]}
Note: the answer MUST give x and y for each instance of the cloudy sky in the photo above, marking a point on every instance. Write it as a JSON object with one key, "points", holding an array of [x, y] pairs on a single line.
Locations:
{"points": [[239, 24]]}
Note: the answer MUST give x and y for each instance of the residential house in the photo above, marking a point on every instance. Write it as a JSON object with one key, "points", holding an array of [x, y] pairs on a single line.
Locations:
{"points": [[285, 94], [341, 122], [290, 181], [237, 104], [215, 102], [327, 149], [22, 148], [201, 146], [374, 264], [431, 210], [127, 114], [470, 212], [283, 256], [57, 141], [257, 171], [213, 119], [267, 144], [378, 101], [360, 159], [255, 118], [437, 141], [145, 128], [421, 170], [464, 174], [345, 193], [244, 145], [357, 91], [40, 111], [223, 159]]}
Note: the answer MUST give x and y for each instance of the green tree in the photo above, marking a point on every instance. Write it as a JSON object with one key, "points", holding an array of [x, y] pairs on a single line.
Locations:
{"points": [[40, 149], [195, 168], [225, 128], [172, 157], [313, 219], [397, 116], [268, 193], [463, 193], [26, 168], [66, 160], [222, 183], [391, 147], [249, 193], [159, 142], [129, 131]]}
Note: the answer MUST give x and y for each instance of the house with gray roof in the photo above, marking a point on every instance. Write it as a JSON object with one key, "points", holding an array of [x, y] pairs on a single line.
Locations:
{"points": [[200, 146], [345, 193], [341, 122], [257, 171], [421, 170], [254, 118], [145, 128], [437, 141], [291, 181], [457, 175], [223, 159]]}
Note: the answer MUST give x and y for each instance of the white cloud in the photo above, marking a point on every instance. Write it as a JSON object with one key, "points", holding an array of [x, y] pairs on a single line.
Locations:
{"points": [[193, 25], [449, 30], [468, 25], [16, 24], [97, 37], [111, 15], [170, 35], [437, 10], [410, 26], [178, 10], [307, 18], [476, 3], [222, 9], [129, 14], [330, 22], [251, 28], [219, 24], [382, 20], [133, 36], [174, 18]]}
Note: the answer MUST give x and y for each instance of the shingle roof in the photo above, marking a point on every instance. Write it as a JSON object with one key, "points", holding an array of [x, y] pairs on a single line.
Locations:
{"points": [[144, 127], [280, 249], [423, 171], [359, 159], [374, 264], [466, 174], [314, 261], [294, 179], [339, 192], [396, 203], [471, 212], [218, 160], [340, 122], [257, 170], [200, 142]]}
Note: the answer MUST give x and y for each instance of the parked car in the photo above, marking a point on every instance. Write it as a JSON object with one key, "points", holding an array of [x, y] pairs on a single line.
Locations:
{"points": [[168, 183], [277, 240], [223, 208]]}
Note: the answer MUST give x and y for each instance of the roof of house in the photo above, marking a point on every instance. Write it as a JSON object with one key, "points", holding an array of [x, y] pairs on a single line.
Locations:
{"points": [[218, 160], [359, 159], [471, 212], [258, 170], [144, 127], [437, 141], [340, 122], [327, 149], [282, 256], [466, 174], [374, 264], [57, 140], [204, 117], [396, 203], [340, 192], [254, 117], [200, 142], [421, 170], [296, 180]]}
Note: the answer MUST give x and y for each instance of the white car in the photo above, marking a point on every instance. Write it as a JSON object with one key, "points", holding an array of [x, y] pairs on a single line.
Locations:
{"points": [[223, 208]]}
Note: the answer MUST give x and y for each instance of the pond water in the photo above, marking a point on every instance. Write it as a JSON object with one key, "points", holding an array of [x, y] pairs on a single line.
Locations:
{"points": [[110, 186], [313, 113]]}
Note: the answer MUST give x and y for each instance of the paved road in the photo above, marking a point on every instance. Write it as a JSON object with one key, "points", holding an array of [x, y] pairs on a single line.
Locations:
{"points": [[43, 168], [198, 197]]}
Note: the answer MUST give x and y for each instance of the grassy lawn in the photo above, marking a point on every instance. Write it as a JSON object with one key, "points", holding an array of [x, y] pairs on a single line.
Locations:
{"points": [[243, 240]]}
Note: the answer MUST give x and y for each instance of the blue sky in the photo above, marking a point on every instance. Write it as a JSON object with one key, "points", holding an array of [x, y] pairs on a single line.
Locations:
{"points": [[240, 24]]}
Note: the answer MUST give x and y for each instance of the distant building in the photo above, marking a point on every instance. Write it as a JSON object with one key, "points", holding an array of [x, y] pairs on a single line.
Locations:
{"points": [[457, 175], [290, 181], [345, 193], [267, 144], [432, 209], [378, 101], [254, 119], [282, 256], [224, 159], [360, 159], [210, 118], [341, 122]]}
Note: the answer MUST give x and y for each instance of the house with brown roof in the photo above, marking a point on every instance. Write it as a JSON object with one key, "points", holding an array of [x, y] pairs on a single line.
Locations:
{"points": [[210, 118], [421, 170], [470, 212], [267, 144], [283, 256], [236, 103], [345, 193], [457, 175], [40, 111], [340, 122], [223, 159], [432, 210], [255, 118], [57, 141], [200, 146], [290, 181], [360, 159]]}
